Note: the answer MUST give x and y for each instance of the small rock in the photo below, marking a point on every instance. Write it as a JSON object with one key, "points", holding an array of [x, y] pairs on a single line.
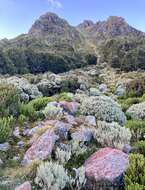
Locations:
{"points": [[83, 134], [61, 129], [121, 90], [16, 158], [20, 144], [127, 148], [1, 162], [94, 92], [103, 88], [24, 186], [70, 107], [83, 87], [90, 120], [70, 119], [16, 132], [4, 147]]}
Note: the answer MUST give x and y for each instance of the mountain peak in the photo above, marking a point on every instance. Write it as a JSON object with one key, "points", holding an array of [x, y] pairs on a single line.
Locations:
{"points": [[47, 23], [115, 19], [114, 26], [86, 24]]}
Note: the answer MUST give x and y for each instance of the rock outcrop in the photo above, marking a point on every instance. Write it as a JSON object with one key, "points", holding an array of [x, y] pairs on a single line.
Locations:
{"points": [[24, 186], [106, 167], [42, 148]]}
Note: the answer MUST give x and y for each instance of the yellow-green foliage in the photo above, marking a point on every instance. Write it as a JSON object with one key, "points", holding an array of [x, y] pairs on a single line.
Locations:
{"points": [[135, 173], [135, 186], [9, 100], [65, 97], [39, 103], [28, 111], [32, 110], [5, 128], [140, 145], [137, 128], [126, 103]]}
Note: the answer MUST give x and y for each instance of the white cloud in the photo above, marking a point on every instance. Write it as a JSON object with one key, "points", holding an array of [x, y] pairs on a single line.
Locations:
{"points": [[55, 3]]}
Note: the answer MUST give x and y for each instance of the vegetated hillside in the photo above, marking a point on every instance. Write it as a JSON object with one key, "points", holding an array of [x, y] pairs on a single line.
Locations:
{"points": [[51, 44], [119, 44], [126, 54]]}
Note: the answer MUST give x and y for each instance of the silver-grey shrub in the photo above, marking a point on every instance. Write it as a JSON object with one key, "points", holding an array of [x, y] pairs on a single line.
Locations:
{"points": [[103, 108]]}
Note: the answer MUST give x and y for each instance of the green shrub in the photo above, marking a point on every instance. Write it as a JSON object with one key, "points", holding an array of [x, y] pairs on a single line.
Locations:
{"points": [[9, 100], [125, 104], [65, 97], [137, 128], [21, 119], [135, 186], [135, 173], [40, 103], [143, 98], [5, 128], [28, 111], [140, 145], [32, 110]]}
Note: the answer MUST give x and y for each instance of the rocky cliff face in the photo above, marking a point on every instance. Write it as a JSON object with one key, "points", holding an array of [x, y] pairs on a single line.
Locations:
{"points": [[50, 25], [113, 27]]}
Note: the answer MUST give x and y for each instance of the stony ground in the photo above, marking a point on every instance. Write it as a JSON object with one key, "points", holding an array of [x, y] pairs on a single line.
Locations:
{"points": [[79, 131]]}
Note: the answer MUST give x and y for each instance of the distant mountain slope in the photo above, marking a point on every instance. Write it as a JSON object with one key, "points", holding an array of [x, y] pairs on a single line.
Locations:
{"points": [[111, 28], [51, 44]]}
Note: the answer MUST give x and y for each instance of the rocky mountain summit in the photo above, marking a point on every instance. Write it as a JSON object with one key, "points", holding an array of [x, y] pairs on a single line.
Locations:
{"points": [[113, 27]]}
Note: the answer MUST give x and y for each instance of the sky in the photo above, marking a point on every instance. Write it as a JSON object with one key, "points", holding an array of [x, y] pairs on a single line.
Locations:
{"points": [[17, 16]]}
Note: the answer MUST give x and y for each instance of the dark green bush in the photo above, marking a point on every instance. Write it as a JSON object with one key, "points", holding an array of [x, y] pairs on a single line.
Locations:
{"points": [[69, 85]]}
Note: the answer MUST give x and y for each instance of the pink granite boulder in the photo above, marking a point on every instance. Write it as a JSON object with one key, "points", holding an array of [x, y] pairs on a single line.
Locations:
{"points": [[42, 148], [83, 134], [70, 107], [24, 186], [106, 165]]}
